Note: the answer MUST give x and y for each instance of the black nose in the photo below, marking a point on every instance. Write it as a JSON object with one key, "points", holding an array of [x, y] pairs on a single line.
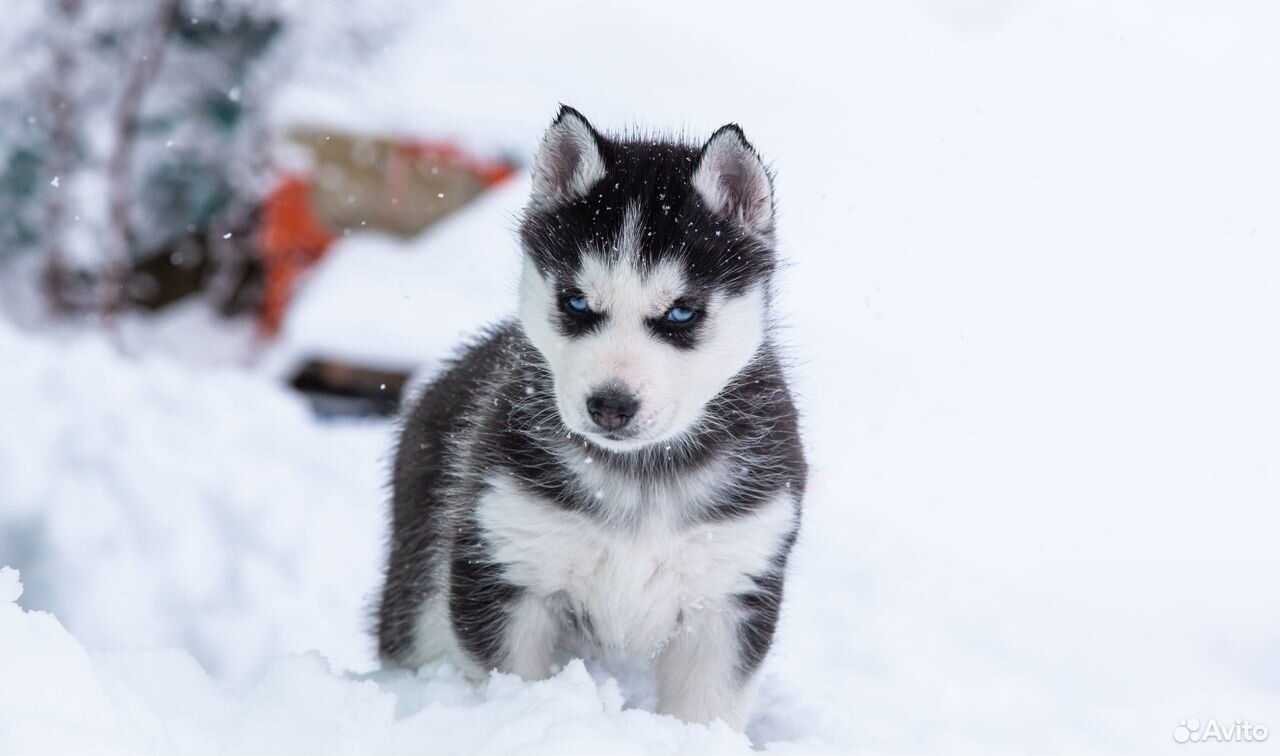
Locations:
{"points": [[611, 408]]}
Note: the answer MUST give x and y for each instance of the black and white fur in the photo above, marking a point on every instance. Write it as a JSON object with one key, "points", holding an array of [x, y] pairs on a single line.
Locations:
{"points": [[527, 519]]}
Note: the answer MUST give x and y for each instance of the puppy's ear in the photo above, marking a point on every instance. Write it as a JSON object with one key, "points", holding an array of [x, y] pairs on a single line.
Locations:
{"points": [[732, 180], [568, 162]]}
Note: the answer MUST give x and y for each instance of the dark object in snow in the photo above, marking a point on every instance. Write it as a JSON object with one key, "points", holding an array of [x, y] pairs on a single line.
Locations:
{"points": [[223, 262], [340, 389]]}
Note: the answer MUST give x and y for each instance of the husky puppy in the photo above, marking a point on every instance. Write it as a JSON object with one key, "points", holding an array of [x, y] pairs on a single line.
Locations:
{"points": [[619, 471]]}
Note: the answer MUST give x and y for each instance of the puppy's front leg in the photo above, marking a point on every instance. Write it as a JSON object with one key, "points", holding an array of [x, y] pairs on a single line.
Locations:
{"points": [[705, 672], [500, 625], [531, 634]]}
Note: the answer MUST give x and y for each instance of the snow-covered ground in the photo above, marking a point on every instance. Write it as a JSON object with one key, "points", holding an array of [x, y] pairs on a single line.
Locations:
{"points": [[1033, 309]]}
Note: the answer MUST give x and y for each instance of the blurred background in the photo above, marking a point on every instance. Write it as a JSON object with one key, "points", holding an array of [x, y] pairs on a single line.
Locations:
{"points": [[1032, 306]]}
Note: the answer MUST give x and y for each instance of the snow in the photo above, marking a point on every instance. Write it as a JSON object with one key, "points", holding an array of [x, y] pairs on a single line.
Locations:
{"points": [[1032, 310], [57, 697], [145, 511]]}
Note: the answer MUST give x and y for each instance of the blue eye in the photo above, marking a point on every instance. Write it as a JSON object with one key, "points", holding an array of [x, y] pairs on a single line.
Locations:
{"points": [[577, 304], [680, 314]]}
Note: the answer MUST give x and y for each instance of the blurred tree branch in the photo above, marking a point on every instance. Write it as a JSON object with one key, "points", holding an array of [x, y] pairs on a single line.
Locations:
{"points": [[125, 127], [62, 138]]}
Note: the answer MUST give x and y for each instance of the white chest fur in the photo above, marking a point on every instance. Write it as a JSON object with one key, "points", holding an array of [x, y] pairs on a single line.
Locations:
{"points": [[632, 582]]}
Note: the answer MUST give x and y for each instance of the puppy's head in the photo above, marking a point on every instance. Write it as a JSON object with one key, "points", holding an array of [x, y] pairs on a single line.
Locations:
{"points": [[647, 270]]}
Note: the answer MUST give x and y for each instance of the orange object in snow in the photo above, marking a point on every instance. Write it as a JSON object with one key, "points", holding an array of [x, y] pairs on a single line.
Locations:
{"points": [[292, 238], [393, 186]]}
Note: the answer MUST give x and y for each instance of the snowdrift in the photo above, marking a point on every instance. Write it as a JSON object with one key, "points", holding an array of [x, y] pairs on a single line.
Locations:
{"points": [[57, 697]]}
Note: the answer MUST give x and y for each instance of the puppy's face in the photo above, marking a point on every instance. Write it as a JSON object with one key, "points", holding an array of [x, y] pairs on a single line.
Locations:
{"points": [[646, 276]]}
